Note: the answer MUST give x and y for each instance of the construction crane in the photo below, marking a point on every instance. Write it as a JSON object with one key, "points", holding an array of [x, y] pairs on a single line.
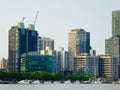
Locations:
{"points": [[36, 17]]}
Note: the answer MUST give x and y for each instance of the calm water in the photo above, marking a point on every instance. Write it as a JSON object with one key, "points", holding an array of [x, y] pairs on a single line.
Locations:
{"points": [[60, 87]]}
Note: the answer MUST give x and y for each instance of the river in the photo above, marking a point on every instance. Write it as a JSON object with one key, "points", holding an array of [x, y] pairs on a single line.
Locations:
{"points": [[59, 87]]}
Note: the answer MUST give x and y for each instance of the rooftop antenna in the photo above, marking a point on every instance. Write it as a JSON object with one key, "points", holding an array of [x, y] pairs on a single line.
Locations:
{"points": [[36, 17]]}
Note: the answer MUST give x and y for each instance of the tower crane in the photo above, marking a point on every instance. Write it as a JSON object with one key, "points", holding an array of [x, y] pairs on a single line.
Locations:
{"points": [[36, 17]]}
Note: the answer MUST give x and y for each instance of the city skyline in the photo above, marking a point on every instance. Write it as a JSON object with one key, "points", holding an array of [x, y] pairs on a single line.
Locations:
{"points": [[57, 18]]}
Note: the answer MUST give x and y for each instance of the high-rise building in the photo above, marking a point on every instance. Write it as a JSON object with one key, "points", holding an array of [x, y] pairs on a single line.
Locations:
{"points": [[108, 66], [21, 40], [112, 46], [100, 66], [116, 23], [78, 42], [85, 63], [62, 60], [44, 42]]}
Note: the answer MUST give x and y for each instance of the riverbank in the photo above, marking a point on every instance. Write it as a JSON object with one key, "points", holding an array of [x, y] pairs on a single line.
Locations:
{"points": [[56, 82]]}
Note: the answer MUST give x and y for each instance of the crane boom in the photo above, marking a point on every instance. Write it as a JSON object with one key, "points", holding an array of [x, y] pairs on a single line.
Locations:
{"points": [[36, 17]]}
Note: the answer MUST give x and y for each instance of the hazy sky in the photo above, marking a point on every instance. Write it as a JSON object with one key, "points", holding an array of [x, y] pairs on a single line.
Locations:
{"points": [[57, 17]]}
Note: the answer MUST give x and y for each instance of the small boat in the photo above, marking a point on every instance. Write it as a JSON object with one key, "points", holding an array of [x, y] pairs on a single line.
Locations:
{"points": [[86, 82], [24, 82], [114, 82], [67, 82], [77, 82], [36, 82], [97, 82], [47, 82], [5, 82], [56, 82]]}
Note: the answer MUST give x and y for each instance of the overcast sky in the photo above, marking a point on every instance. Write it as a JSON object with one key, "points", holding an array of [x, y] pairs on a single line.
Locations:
{"points": [[57, 17]]}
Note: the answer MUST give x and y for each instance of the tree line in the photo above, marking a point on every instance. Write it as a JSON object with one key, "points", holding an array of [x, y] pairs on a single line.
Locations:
{"points": [[42, 75]]}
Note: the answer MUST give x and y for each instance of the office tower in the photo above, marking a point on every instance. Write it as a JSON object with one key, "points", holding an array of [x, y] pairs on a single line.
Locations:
{"points": [[78, 42], [112, 46], [33, 61], [116, 23], [85, 63], [62, 60], [21, 40], [44, 42], [108, 66]]}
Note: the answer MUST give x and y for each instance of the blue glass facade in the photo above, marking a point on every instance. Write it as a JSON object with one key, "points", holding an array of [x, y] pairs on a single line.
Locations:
{"points": [[21, 40], [35, 62], [83, 42]]}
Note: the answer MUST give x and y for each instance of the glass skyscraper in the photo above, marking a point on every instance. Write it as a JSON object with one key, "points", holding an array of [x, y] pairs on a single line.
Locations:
{"points": [[21, 40], [78, 42], [116, 23]]}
